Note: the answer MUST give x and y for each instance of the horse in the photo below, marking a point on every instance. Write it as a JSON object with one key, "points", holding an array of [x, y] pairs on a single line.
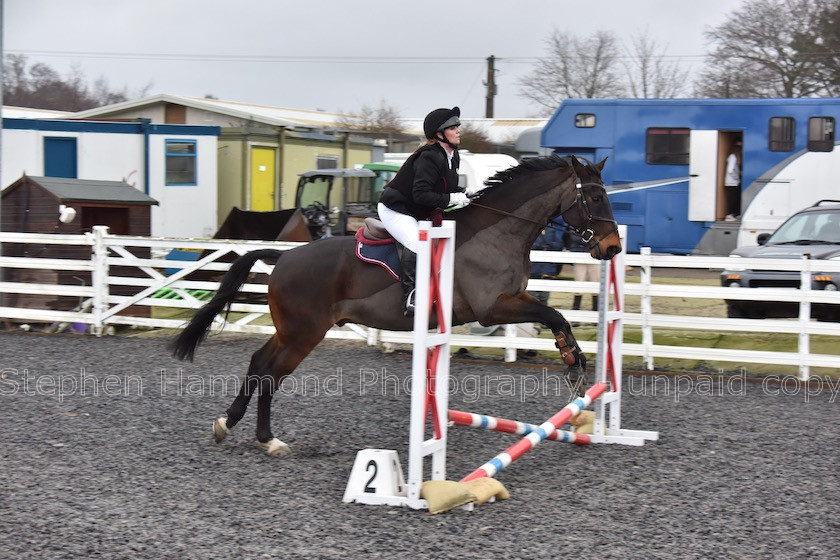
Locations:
{"points": [[315, 286]]}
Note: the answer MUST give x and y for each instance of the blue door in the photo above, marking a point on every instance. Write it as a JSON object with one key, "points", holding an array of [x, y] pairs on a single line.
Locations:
{"points": [[60, 157]]}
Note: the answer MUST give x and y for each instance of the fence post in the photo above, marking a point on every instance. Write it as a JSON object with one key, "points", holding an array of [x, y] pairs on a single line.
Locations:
{"points": [[99, 278], [645, 308], [804, 317], [510, 353], [372, 336]]}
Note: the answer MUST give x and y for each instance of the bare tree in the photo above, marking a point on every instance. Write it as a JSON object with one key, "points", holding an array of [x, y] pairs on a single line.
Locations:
{"points": [[650, 74], [827, 48], [574, 67], [14, 78], [733, 78], [41, 87], [765, 49], [476, 140], [383, 119], [382, 122]]}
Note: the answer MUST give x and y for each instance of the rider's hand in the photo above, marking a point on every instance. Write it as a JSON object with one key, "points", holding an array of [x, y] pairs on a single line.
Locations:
{"points": [[458, 200]]}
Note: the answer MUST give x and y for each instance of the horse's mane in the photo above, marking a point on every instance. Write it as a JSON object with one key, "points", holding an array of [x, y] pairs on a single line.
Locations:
{"points": [[526, 167]]}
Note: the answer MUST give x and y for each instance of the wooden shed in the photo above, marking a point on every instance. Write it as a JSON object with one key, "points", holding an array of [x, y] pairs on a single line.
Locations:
{"points": [[60, 205]]}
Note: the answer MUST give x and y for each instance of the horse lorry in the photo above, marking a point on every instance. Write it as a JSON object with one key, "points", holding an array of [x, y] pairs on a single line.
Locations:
{"points": [[667, 160]]}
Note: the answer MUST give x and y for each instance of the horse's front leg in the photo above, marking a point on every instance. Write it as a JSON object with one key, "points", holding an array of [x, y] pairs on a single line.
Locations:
{"points": [[523, 308]]}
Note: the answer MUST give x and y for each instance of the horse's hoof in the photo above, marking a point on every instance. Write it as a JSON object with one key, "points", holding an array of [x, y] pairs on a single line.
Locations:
{"points": [[275, 448], [220, 429]]}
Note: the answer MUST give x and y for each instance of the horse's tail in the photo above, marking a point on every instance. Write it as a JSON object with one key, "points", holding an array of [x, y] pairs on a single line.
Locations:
{"points": [[184, 345]]}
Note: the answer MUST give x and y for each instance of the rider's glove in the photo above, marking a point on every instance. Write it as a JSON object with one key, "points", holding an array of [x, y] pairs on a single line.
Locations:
{"points": [[458, 200]]}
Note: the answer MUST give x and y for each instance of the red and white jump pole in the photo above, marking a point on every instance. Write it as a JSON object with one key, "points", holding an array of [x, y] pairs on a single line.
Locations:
{"points": [[473, 420], [605, 393], [530, 441]]}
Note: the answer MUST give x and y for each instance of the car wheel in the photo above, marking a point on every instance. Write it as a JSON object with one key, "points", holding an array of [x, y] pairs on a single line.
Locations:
{"points": [[734, 311], [829, 317], [753, 311]]}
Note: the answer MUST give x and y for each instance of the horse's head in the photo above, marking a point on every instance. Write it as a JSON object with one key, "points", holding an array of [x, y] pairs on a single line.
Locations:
{"points": [[589, 212]]}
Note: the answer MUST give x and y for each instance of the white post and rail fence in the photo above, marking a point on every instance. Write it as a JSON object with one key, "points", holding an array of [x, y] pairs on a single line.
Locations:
{"points": [[162, 289]]}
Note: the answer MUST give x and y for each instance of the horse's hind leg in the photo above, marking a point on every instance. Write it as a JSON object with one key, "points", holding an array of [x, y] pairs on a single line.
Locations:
{"points": [[265, 439], [250, 385], [280, 362], [269, 365], [236, 410]]}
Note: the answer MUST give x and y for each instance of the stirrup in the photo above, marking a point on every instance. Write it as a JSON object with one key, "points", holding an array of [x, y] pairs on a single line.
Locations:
{"points": [[409, 304]]}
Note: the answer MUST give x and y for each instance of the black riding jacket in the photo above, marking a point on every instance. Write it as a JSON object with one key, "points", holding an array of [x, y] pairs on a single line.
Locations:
{"points": [[423, 183]]}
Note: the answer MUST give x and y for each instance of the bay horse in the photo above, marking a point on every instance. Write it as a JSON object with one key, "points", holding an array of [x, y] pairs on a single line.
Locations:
{"points": [[315, 286]]}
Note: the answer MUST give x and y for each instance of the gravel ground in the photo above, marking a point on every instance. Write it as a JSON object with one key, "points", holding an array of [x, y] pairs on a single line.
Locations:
{"points": [[126, 468]]}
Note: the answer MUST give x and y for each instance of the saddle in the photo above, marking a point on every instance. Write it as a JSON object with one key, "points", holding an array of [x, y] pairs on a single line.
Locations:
{"points": [[376, 246], [373, 232]]}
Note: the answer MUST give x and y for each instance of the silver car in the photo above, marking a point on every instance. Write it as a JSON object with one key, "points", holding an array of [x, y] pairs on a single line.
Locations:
{"points": [[814, 230]]}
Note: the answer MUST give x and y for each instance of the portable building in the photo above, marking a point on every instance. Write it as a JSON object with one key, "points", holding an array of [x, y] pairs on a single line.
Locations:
{"points": [[262, 149], [173, 164]]}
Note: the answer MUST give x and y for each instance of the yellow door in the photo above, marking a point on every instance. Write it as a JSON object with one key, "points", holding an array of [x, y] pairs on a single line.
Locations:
{"points": [[262, 179]]}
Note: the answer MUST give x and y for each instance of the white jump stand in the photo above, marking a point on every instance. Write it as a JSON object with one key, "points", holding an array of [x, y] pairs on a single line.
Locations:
{"points": [[607, 427], [377, 476]]}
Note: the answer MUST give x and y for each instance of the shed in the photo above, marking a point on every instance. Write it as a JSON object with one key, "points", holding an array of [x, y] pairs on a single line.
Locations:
{"points": [[60, 205], [33, 205]]}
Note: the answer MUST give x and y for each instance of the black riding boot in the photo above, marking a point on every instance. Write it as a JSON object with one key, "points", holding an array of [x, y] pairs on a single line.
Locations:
{"points": [[409, 273], [594, 303]]}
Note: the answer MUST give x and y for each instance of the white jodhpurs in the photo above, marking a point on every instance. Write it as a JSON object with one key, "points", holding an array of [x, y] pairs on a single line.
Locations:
{"points": [[402, 227]]}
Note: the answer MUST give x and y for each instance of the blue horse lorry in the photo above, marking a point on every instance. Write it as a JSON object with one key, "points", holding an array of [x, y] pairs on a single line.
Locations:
{"points": [[667, 159]]}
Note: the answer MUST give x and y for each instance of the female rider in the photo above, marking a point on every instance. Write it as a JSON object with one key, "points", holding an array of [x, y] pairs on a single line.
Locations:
{"points": [[427, 180]]}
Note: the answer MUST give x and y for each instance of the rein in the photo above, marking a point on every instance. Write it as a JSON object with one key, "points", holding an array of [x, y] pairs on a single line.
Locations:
{"points": [[512, 215], [586, 234]]}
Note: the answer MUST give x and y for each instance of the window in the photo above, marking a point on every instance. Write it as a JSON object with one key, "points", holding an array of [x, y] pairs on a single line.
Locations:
{"points": [[326, 162], [667, 146], [180, 163], [782, 134], [820, 134], [585, 120]]}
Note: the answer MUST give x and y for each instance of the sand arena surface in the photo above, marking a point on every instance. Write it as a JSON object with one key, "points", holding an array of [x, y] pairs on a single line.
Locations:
{"points": [[107, 450]]}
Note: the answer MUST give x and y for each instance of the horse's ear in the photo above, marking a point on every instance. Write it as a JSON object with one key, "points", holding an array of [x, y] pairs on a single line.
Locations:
{"points": [[600, 166], [576, 164]]}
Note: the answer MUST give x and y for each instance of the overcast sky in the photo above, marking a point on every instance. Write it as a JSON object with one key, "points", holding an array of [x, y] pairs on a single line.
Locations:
{"points": [[337, 55]]}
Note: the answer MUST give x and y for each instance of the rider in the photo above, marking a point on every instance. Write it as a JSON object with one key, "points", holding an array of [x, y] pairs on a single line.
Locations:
{"points": [[426, 181]]}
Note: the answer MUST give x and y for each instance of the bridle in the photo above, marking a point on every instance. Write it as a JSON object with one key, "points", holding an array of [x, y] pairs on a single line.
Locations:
{"points": [[586, 233]]}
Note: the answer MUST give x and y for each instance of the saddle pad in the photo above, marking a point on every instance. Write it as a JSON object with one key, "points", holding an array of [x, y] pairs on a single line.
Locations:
{"points": [[383, 255]]}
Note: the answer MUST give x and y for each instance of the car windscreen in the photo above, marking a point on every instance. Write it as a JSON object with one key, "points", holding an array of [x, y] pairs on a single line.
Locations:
{"points": [[312, 190], [809, 227]]}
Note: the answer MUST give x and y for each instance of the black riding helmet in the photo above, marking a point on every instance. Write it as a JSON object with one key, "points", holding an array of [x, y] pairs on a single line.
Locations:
{"points": [[439, 120]]}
